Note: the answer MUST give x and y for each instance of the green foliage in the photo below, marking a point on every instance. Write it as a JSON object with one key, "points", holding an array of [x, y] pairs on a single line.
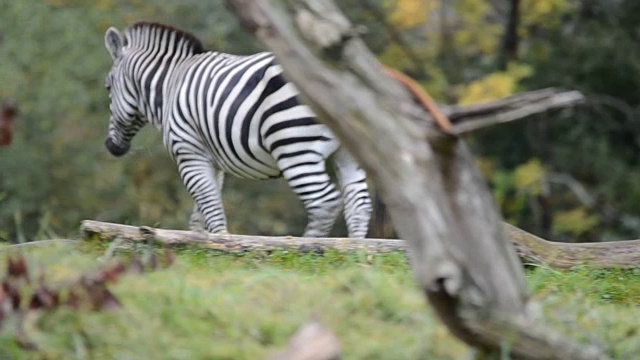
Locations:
{"points": [[246, 306], [57, 172], [583, 45], [575, 222], [53, 63], [530, 177], [516, 190], [597, 296], [211, 305], [495, 85]]}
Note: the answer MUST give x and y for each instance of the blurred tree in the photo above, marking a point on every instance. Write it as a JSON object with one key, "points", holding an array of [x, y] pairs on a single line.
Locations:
{"points": [[583, 45], [477, 50]]}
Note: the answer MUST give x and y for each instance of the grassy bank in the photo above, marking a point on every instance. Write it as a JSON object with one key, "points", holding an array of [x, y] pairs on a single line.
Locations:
{"points": [[216, 306]]}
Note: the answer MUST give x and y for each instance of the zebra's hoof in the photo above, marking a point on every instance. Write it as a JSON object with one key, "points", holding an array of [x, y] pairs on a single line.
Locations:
{"points": [[196, 227]]}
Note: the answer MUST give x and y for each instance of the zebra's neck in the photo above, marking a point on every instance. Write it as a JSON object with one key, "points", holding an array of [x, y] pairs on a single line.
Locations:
{"points": [[151, 78], [155, 51]]}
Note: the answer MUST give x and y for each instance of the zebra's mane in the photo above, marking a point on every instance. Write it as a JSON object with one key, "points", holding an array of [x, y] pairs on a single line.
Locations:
{"points": [[136, 35]]}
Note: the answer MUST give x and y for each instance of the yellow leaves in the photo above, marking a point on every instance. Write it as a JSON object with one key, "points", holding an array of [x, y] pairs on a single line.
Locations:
{"points": [[474, 33], [486, 166], [473, 11], [525, 196], [484, 38], [495, 85], [530, 177], [491, 87], [395, 57], [411, 13], [574, 222], [543, 13]]}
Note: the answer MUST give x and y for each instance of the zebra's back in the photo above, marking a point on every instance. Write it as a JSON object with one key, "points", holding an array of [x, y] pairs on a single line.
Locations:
{"points": [[243, 112]]}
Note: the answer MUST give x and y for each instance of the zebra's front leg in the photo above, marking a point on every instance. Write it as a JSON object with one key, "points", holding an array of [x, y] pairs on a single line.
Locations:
{"points": [[320, 197], [204, 183]]}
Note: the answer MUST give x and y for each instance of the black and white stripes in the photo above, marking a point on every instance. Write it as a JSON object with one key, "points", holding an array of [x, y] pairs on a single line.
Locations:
{"points": [[221, 113]]}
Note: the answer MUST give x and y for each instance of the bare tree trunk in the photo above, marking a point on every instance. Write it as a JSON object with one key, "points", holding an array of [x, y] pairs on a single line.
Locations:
{"points": [[510, 39], [381, 226], [437, 198]]}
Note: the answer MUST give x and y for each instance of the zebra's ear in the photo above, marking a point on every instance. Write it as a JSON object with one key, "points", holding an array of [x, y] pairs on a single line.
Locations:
{"points": [[113, 42]]}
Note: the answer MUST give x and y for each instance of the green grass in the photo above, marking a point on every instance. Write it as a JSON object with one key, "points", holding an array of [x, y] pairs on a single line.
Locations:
{"points": [[218, 306]]}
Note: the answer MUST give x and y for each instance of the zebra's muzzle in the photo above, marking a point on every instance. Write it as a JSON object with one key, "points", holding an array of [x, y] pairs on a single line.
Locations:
{"points": [[116, 149]]}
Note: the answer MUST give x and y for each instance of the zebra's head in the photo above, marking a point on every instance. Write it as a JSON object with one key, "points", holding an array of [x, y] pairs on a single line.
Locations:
{"points": [[125, 120]]}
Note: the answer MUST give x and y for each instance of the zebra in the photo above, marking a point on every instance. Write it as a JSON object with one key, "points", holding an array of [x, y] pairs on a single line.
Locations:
{"points": [[221, 113]]}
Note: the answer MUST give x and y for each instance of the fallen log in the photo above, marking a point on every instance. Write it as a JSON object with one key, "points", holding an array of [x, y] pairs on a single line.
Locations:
{"points": [[531, 249], [91, 229], [601, 255]]}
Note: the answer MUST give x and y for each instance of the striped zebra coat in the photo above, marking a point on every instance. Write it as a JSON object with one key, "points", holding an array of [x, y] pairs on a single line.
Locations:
{"points": [[220, 113]]}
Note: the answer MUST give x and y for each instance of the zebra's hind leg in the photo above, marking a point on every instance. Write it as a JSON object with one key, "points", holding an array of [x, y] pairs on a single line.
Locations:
{"points": [[355, 194], [308, 178], [204, 183], [196, 220]]}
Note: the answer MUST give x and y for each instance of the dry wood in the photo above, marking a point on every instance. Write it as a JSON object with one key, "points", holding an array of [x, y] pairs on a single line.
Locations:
{"points": [[530, 248], [437, 198], [234, 243], [609, 254], [470, 118], [519, 106], [312, 342]]}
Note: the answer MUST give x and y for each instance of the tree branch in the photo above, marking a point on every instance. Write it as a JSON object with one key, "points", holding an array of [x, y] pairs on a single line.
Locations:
{"points": [[474, 117]]}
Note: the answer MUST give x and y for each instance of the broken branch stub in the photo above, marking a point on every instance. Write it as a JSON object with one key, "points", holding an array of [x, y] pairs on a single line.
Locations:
{"points": [[437, 199], [516, 107]]}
